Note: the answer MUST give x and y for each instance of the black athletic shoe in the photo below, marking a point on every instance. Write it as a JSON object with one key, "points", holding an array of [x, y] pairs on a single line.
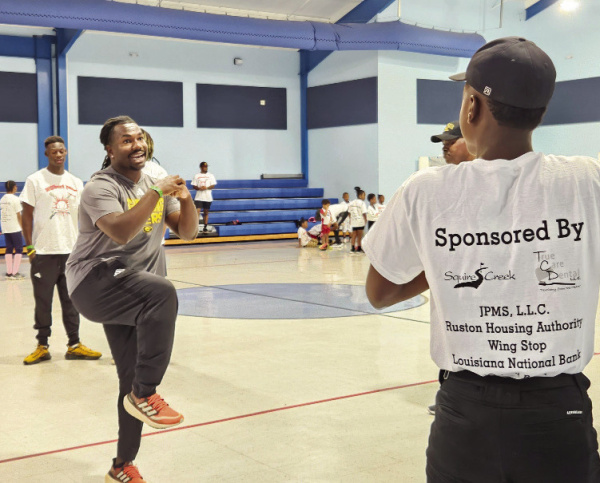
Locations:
{"points": [[360, 250], [352, 249]]}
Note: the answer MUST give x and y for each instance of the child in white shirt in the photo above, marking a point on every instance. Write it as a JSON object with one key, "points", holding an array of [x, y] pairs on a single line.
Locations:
{"points": [[326, 222], [10, 208], [305, 238], [372, 211], [358, 219], [381, 204]]}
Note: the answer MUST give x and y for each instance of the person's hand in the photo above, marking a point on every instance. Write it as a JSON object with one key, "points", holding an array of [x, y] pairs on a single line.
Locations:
{"points": [[202, 188], [182, 194], [31, 255], [171, 184]]}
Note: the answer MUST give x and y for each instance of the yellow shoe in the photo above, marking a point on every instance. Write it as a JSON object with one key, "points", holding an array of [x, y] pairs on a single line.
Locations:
{"points": [[40, 354], [79, 351]]}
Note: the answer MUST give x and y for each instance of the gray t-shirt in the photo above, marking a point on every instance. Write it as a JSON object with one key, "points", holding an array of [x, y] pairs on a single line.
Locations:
{"points": [[110, 192]]}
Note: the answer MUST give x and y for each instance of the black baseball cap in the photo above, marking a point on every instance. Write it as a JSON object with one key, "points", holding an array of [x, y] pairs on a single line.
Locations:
{"points": [[513, 71], [451, 132]]}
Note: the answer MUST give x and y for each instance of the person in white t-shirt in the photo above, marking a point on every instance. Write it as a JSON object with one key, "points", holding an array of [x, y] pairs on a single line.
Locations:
{"points": [[305, 237], [380, 203], [10, 221], [204, 183], [372, 211], [512, 262], [152, 167], [358, 220], [326, 223], [50, 202]]}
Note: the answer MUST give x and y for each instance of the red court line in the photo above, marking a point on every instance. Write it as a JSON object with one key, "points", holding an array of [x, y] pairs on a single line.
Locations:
{"points": [[233, 418]]}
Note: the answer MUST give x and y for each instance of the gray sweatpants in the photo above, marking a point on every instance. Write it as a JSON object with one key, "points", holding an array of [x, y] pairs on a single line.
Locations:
{"points": [[138, 310]]}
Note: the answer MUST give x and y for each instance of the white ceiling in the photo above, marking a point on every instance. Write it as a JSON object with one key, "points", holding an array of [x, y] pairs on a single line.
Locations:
{"points": [[317, 10]]}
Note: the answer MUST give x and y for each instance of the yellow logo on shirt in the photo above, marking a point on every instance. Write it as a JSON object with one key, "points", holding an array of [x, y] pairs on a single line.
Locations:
{"points": [[155, 217]]}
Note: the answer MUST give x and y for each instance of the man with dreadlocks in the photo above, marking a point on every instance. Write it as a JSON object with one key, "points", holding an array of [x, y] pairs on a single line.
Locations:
{"points": [[116, 274]]}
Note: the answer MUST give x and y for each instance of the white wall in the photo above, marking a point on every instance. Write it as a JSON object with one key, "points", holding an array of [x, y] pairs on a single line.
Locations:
{"points": [[231, 153], [18, 140], [341, 158]]}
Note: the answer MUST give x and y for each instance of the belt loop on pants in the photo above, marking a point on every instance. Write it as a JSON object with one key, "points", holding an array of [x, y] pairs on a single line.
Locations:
{"points": [[443, 376]]}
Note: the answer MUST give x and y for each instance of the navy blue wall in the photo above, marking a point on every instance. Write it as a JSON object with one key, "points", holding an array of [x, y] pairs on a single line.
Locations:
{"points": [[18, 97], [575, 101], [150, 103], [239, 107], [438, 102], [343, 104]]}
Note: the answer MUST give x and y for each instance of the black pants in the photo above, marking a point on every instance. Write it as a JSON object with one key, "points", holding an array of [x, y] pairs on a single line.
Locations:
{"points": [[339, 220], [138, 311], [501, 430], [47, 272], [14, 243]]}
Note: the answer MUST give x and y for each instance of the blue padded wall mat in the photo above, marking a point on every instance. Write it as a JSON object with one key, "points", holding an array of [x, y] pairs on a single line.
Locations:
{"points": [[244, 193], [260, 216], [277, 204]]}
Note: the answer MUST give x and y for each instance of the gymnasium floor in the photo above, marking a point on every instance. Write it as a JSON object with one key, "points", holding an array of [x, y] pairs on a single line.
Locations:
{"points": [[320, 389]]}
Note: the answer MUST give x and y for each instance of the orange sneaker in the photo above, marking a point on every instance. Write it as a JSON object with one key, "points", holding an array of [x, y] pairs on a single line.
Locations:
{"points": [[153, 411], [128, 473]]}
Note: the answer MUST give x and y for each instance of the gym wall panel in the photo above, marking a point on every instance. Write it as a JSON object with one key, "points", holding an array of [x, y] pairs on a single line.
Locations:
{"points": [[241, 107], [150, 103], [18, 97], [348, 103], [438, 101], [573, 102]]}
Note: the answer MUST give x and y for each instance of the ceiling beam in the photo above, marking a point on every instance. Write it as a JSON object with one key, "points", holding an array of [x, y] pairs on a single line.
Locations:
{"points": [[538, 7]]}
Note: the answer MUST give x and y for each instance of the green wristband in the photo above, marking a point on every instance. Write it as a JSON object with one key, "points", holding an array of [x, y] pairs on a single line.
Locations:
{"points": [[30, 247], [158, 190]]}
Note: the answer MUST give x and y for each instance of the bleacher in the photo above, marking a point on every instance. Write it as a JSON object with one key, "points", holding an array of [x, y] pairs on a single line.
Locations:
{"points": [[266, 209]]}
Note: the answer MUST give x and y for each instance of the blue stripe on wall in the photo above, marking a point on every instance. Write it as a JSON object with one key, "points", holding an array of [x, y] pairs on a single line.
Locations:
{"points": [[343, 104], [574, 101], [18, 97], [150, 103]]}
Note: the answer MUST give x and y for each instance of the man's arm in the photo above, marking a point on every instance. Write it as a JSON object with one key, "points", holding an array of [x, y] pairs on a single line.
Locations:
{"points": [[27, 225], [185, 221], [382, 293], [123, 227]]}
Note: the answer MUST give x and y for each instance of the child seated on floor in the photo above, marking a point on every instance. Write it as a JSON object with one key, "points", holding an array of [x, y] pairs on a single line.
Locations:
{"points": [[308, 238]]}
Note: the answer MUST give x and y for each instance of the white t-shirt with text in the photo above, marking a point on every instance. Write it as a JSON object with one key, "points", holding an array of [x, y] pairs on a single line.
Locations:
{"points": [[10, 206], [204, 179], [357, 209], [55, 199], [510, 251]]}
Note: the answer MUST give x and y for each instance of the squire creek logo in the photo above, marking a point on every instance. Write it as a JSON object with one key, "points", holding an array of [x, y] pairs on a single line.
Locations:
{"points": [[476, 278]]}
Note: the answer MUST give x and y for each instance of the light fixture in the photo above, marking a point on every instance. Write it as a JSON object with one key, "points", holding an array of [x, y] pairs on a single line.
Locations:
{"points": [[238, 61], [569, 5], [133, 54]]}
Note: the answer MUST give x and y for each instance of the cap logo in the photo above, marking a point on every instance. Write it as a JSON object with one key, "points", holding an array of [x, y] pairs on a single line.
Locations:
{"points": [[487, 91], [449, 127]]}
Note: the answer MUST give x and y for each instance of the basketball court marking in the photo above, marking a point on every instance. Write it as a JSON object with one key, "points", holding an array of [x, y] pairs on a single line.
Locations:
{"points": [[224, 420]]}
